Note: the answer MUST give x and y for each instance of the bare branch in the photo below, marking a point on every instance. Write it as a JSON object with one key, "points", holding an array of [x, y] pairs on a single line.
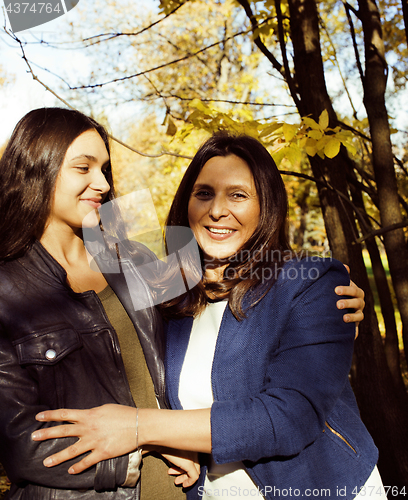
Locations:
{"points": [[115, 35], [163, 153], [258, 42], [383, 230], [247, 103], [164, 65], [287, 74], [327, 185], [323, 24], [349, 8], [30, 70]]}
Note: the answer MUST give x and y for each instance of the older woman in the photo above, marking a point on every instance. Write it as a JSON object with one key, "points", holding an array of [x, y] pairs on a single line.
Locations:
{"points": [[257, 354]]}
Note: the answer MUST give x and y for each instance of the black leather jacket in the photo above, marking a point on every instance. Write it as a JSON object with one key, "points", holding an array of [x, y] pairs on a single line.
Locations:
{"points": [[58, 349]]}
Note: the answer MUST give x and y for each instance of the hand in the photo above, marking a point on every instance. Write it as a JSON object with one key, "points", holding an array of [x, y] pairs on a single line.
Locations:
{"points": [[106, 431], [356, 302], [187, 468]]}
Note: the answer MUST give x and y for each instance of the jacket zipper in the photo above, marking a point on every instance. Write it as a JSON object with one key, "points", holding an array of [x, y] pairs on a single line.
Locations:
{"points": [[340, 436]]}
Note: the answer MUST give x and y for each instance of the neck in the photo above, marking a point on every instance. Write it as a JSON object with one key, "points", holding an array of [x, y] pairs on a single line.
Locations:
{"points": [[64, 244], [214, 271]]}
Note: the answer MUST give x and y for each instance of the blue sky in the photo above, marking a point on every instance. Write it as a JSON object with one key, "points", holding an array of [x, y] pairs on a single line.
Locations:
{"points": [[21, 93]]}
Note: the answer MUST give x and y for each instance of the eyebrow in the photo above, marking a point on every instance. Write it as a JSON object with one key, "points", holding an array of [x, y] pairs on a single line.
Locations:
{"points": [[90, 158], [233, 186]]}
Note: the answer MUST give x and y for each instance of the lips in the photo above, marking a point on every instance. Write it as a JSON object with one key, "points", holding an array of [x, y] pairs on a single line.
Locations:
{"points": [[219, 233], [217, 230], [92, 202]]}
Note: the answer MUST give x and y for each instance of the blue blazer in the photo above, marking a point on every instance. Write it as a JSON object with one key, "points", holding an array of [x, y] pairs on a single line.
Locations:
{"points": [[283, 403]]}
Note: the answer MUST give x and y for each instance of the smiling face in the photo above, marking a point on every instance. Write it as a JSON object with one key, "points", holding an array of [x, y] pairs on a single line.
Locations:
{"points": [[223, 209], [81, 184]]}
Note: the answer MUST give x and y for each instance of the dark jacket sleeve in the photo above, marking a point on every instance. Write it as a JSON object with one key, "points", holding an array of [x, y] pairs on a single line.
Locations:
{"points": [[306, 374], [20, 401]]}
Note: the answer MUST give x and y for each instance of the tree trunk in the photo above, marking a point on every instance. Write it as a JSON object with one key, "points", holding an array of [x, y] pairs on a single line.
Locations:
{"points": [[384, 409], [374, 84], [391, 345], [405, 15]]}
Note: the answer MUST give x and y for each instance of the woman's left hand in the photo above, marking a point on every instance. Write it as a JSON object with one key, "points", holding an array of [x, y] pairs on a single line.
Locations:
{"points": [[106, 431]]}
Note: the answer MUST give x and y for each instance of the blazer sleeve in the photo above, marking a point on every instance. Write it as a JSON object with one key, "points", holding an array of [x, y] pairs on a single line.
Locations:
{"points": [[306, 373], [22, 457]]}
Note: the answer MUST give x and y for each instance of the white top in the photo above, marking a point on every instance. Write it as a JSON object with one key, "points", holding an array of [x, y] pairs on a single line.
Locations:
{"points": [[195, 392]]}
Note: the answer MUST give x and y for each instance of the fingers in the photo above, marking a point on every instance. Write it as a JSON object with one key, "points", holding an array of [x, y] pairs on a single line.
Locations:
{"points": [[186, 468], [58, 431], [352, 317], [183, 478], [70, 453], [351, 290], [62, 415], [356, 302]]}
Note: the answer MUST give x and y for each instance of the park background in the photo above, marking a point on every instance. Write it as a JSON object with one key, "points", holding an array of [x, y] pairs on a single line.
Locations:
{"points": [[322, 84]]}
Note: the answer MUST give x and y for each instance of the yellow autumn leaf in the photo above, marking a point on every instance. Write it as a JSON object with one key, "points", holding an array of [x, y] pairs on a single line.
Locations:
{"points": [[293, 154], [197, 104], [309, 122], [350, 148], [332, 148], [324, 119], [321, 143], [289, 131], [315, 134]]}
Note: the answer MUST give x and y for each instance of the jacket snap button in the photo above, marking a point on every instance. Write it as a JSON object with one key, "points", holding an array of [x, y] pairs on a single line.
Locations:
{"points": [[50, 354]]}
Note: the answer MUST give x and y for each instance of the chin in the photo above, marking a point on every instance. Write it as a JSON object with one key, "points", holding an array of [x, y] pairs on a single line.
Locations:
{"points": [[91, 220]]}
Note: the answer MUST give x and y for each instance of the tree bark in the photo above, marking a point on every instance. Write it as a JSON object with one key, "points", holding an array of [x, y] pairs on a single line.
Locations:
{"points": [[384, 409], [391, 345], [374, 83], [405, 16]]}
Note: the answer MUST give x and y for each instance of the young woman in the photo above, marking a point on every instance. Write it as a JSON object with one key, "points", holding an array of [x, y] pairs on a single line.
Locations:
{"points": [[257, 355], [65, 336]]}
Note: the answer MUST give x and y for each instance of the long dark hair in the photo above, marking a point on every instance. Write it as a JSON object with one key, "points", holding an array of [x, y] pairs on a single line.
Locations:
{"points": [[28, 171], [258, 261]]}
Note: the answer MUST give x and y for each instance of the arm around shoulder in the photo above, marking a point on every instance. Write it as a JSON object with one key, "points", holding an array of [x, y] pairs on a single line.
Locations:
{"points": [[307, 362]]}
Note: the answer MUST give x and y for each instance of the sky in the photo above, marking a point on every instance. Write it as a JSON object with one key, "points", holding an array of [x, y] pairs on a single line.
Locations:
{"points": [[21, 93]]}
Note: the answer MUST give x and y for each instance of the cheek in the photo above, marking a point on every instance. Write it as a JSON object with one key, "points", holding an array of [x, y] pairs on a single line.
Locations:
{"points": [[193, 212]]}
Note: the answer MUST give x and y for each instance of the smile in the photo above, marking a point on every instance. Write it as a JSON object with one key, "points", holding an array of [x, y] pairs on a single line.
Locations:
{"points": [[94, 203], [220, 231]]}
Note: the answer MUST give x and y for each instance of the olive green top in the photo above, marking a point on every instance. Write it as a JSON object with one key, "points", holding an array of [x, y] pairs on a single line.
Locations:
{"points": [[156, 484]]}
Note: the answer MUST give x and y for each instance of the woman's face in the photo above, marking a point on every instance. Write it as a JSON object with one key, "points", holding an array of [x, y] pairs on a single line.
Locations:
{"points": [[223, 209], [81, 183]]}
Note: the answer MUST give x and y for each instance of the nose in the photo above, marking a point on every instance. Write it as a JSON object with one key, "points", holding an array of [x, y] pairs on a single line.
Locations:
{"points": [[99, 182], [218, 208]]}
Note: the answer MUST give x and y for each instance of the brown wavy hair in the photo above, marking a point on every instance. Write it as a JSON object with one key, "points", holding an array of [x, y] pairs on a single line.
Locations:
{"points": [[257, 263], [28, 171]]}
